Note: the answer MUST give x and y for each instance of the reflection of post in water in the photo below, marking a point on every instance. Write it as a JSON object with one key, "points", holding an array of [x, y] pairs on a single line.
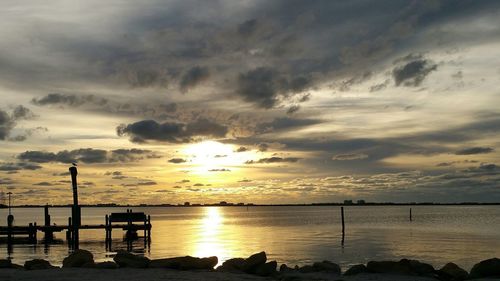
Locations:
{"points": [[75, 210], [343, 225]]}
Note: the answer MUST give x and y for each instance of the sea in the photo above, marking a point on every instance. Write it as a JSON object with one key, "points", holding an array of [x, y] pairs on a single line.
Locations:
{"points": [[294, 235]]}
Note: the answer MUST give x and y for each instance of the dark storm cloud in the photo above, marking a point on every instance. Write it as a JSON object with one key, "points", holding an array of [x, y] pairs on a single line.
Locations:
{"points": [[248, 27], [177, 160], [265, 87], [274, 159], [150, 130], [193, 77], [413, 73], [87, 155], [474, 150]]}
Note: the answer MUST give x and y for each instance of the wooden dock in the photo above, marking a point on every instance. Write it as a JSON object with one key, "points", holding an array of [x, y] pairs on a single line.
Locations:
{"points": [[124, 221], [130, 222]]}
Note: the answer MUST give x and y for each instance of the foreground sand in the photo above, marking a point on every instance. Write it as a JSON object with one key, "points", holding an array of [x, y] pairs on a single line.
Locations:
{"points": [[130, 274]]}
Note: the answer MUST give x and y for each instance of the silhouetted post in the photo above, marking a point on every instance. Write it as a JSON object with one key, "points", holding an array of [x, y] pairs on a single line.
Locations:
{"points": [[149, 228], [411, 219], [343, 224], [76, 208], [145, 227], [34, 232], [48, 233], [69, 232], [10, 221]]}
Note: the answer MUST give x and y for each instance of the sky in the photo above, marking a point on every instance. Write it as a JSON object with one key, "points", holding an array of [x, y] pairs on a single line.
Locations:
{"points": [[279, 101]]}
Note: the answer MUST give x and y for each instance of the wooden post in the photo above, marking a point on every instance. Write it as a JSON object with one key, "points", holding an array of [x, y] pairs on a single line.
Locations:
{"points": [[145, 227], [411, 219], [10, 224], [149, 228], [76, 213], [343, 224], [69, 233], [48, 234], [34, 232]]}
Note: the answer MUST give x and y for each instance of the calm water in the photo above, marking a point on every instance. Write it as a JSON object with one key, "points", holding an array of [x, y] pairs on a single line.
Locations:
{"points": [[292, 235]]}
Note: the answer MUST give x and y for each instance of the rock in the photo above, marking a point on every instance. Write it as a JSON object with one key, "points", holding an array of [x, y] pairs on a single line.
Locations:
{"points": [[5, 263], [185, 263], [486, 268], [306, 269], [285, 268], [232, 265], [356, 269], [452, 272], [389, 267], [420, 268], [327, 266], [78, 258], [106, 265], [254, 261], [37, 264], [126, 259], [266, 269]]}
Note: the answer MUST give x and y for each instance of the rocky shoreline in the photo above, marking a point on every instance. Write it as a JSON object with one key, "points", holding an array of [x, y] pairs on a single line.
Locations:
{"points": [[257, 265]]}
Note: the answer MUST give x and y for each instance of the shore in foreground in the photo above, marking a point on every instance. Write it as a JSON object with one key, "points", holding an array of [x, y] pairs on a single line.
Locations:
{"points": [[157, 274], [80, 265]]}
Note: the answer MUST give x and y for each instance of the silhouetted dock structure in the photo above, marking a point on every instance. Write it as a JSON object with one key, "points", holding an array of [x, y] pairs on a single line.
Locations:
{"points": [[130, 222]]}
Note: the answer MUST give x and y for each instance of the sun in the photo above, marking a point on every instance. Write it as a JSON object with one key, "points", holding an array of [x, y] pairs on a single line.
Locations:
{"points": [[211, 156]]}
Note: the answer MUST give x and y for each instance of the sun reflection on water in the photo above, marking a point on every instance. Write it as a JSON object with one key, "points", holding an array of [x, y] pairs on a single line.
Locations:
{"points": [[210, 241]]}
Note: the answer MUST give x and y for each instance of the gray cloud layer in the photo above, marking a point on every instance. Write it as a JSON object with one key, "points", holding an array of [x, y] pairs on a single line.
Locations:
{"points": [[150, 130], [87, 155]]}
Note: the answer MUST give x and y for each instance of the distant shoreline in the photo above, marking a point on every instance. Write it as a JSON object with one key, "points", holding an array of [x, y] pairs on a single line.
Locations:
{"points": [[255, 205]]}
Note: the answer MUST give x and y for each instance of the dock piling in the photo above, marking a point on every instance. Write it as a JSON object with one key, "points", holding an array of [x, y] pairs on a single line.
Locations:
{"points": [[343, 224]]}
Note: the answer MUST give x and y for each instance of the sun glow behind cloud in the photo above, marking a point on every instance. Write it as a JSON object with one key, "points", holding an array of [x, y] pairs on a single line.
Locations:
{"points": [[211, 156]]}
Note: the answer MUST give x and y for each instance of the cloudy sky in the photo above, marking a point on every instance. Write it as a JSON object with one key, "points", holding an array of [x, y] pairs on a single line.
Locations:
{"points": [[250, 101]]}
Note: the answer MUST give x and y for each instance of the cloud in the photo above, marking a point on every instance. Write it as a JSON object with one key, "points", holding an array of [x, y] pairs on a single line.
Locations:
{"points": [[242, 149], [44, 183], [265, 87], [248, 27], [150, 130], [87, 155], [285, 123], [9, 121], [69, 100], [193, 77], [177, 160], [292, 109], [140, 183], [413, 73], [474, 150], [273, 160], [347, 157], [219, 170], [14, 167]]}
